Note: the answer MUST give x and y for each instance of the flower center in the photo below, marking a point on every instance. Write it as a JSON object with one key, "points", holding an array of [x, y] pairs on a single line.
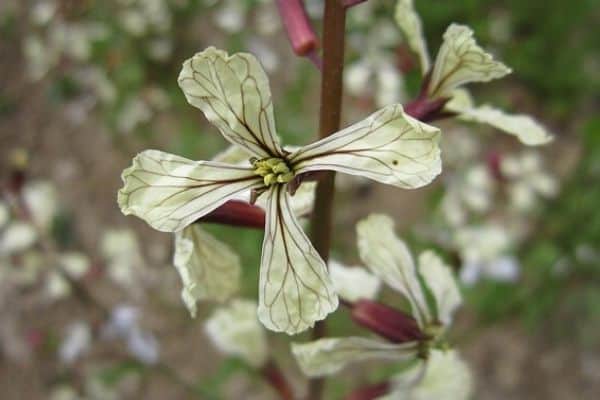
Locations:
{"points": [[273, 170]]}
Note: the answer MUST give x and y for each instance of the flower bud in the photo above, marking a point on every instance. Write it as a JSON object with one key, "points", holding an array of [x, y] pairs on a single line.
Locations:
{"points": [[386, 321], [297, 25], [370, 392], [237, 213]]}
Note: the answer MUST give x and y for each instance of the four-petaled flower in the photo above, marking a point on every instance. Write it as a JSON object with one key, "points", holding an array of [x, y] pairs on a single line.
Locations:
{"points": [[171, 192]]}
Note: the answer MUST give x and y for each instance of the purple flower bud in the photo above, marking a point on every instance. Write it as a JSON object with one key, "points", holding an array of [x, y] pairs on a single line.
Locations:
{"points": [[237, 213], [297, 25], [386, 321], [369, 392]]}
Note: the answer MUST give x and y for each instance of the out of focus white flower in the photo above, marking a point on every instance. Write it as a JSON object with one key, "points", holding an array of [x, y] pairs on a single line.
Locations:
{"points": [[134, 112], [75, 264], [528, 180], [4, 214], [124, 325], [77, 342], [140, 17], [96, 79], [43, 11], [40, 57], [56, 286], [121, 250], [231, 16], [470, 192], [160, 49], [41, 201], [460, 147], [16, 237], [265, 53], [484, 251], [353, 283], [236, 331], [375, 73], [444, 376]]}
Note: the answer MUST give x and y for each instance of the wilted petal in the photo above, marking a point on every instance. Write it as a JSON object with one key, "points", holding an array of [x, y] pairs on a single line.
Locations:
{"points": [[295, 290], [388, 258], [410, 23], [235, 331], [209, 269], [328, 356], [389, 146], [353, 283], [524, 127], [439, 279], [170, 192], [460, 60], [233, 93], [446, 376]]}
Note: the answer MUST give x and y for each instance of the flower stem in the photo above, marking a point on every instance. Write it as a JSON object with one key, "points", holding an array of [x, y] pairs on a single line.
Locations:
{"points": [[329, 122]]}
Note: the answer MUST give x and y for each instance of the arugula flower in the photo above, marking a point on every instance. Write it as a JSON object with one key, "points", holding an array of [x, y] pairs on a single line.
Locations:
{"points": [[460, 60], [389, 259], [171, 192]]}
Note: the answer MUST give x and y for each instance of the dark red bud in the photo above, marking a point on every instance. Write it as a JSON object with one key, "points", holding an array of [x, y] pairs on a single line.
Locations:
{"points": [[297, 25], [386, 321], [237, 213], [425, 109], [493, 161], [369, 392]]}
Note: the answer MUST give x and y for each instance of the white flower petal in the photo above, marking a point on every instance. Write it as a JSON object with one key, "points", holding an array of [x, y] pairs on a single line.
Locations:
{"points": [[41, 200], [410, 23], [77, 342], [439, 279], [460, 60], [294, 290], [75, 264], [389, 146], [524, 127], [233, 93], [170, 192], [446, 376], [353, 283], [17, 236], [4, 214], [328, 356], [235, 330], [209, 269], [388, 257]]}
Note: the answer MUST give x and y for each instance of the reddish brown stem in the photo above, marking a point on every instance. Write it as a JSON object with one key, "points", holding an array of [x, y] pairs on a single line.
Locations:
{"points": [[273, 375], [329, 122]]}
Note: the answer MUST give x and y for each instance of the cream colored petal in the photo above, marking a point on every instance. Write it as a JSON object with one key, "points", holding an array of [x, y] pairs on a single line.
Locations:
{"points": [[446, 376], [388, 257], [410, 23], [294, 290], [440, 281], [328, 356], [353, 283], [389, 146], [235, 331], [170, 192], [42, 202], [75, 264], [233, 93], [524, 127], [460, 60], [16, 237], [209, 269]]}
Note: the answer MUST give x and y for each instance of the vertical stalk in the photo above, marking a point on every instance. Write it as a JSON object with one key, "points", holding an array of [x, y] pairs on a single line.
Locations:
{"points": [[329, 122]]}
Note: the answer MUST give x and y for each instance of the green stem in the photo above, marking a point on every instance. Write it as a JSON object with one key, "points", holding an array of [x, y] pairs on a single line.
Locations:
{"points": [[329, 122]]}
